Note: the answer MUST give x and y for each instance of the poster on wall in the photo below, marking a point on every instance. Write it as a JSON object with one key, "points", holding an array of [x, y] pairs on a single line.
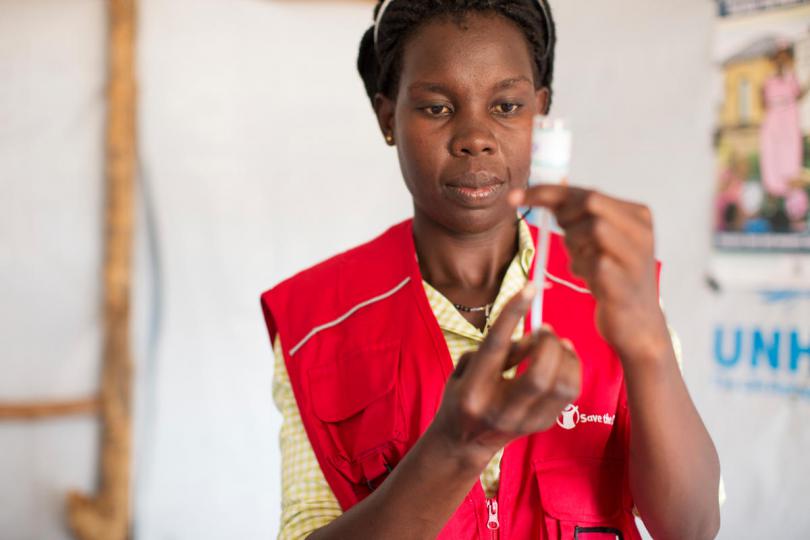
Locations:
{"points": [[757, 403], [760, 345], [762, 136]]}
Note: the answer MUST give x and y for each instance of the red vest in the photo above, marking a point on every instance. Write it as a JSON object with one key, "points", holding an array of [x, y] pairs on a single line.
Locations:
{"points": [[368, 362]]}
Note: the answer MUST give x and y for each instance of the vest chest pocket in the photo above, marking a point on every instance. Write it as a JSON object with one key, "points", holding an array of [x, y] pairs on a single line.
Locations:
{"points": [[582, 497], [356, 398]]}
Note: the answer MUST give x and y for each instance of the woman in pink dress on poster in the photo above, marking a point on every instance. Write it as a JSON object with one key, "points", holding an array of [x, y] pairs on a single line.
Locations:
{"points": [[781, 152]]}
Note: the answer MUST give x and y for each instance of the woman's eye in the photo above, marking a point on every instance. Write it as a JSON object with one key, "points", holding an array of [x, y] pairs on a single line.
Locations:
{"points": [[507, 108], [438, 110]]}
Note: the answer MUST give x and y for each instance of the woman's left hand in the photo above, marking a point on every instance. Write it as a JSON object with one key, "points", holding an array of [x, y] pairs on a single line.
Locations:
{"points": [[611, 246], [673, 472]]}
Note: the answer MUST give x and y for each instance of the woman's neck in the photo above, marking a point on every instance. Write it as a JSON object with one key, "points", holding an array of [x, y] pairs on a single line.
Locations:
{"points": [[466, 267]]}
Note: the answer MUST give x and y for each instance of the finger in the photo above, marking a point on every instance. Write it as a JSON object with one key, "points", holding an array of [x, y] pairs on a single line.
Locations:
{"points": [[461, 365], [543, 364], [565, 201], [569, 377], [580, 237], [567, 387], [631, 218], [571, 204], [520, 350], [574, 209], [591, 239], [539, 377], [490, 357], [548, 195], [613, 241], [583, 249], [633, 254]]}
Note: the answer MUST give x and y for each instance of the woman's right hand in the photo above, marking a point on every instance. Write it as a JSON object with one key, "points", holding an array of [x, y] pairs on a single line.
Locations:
{"points": [[482, 411]]}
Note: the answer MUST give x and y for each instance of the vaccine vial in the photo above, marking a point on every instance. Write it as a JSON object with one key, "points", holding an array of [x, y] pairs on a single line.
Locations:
{"points": [[551, 163], [551, 151]]}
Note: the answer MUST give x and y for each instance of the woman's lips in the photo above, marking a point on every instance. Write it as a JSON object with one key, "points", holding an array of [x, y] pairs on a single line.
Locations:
{"points": [[475, 189], [475, 193]]}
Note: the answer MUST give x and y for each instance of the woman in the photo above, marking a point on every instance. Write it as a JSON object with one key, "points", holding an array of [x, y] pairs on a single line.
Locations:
{"points": [[781, 146], [405, 415]]}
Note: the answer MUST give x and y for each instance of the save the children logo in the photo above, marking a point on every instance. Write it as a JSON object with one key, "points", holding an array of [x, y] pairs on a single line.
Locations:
{"points": [[570, 417]]}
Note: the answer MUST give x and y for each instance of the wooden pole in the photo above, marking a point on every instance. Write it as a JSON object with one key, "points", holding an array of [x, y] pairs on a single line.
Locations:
{"points": [[106, 516], [47, 409]]}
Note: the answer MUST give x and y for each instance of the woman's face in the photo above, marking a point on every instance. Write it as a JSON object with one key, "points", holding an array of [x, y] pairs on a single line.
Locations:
{"points": [[782, 59], [462, 120]]}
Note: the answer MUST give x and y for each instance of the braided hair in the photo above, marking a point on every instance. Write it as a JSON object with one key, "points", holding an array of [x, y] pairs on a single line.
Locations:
{"points": [[380, 63]]}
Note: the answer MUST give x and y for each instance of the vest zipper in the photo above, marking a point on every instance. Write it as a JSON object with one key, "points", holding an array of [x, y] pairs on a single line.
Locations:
{"points": [[493, 524]]}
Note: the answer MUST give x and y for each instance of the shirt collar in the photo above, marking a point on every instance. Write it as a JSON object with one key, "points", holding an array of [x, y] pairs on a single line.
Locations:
{"points": [[450, 320], [525, 247]]}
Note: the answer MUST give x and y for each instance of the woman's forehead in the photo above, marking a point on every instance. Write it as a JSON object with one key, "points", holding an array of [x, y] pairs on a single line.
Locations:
{"points": [[480, 49]]}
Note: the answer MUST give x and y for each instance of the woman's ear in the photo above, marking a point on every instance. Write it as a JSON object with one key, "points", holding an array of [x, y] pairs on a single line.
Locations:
{"points": [[384, 109], [541, 100]]}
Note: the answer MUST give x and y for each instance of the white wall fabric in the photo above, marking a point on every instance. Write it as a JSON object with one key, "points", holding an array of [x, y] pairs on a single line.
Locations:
{"points": [[259, 156], [51, 107]]}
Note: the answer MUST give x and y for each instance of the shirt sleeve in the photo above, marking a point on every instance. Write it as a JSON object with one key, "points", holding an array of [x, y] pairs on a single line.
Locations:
{"points": [[307, 501]]}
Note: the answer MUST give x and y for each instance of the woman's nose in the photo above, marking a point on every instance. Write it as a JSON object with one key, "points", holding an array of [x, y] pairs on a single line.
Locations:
{"points": [[473, 139]]}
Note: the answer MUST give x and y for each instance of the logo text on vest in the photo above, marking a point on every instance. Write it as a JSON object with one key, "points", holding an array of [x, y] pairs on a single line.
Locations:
{"points": [[570, 417]]}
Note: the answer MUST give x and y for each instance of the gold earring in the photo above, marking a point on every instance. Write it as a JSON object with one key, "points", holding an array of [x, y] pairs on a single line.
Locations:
{"points": [[389, 138]]}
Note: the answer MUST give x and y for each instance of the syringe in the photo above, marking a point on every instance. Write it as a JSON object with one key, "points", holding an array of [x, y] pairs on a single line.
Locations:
{"points": [[551, 159]]}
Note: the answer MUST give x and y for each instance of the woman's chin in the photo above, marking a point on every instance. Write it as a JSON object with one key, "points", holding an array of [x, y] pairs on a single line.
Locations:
{"points": [[473, 221]]}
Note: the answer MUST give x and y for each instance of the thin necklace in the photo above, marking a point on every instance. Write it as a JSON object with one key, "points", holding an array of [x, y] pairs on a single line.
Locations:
{"points": [[487, 309]]}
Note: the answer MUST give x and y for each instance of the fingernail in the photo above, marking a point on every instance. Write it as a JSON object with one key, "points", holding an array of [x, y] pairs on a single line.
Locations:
{"points": [[567, 344], [528, 291], [547, 327], [515, 197]]}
